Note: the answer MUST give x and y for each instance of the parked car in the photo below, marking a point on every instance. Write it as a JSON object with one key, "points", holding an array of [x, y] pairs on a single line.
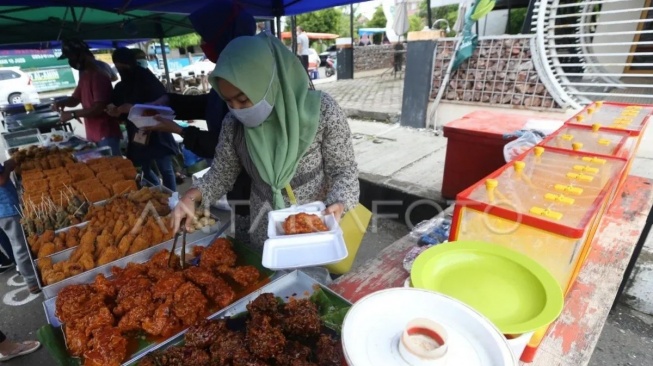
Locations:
{"points": [[203, 64], [331, 51], [16, 87]]}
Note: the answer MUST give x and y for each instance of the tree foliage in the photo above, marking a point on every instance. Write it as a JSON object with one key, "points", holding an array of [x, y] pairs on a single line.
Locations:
{"points": [[321, 21], [448, 12], [517, 17], [191, 39], [378, 19], [416, 23]]}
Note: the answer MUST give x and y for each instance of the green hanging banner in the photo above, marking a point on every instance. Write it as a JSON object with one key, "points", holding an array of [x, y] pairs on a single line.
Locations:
{"points": [[469, 40]]}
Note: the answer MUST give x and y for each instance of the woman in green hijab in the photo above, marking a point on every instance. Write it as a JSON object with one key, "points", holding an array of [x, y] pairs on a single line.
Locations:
{"points": [[285, 136]]}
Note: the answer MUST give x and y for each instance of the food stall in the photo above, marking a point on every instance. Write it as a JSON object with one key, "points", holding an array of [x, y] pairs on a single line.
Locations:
{"points": [[118, 289]]}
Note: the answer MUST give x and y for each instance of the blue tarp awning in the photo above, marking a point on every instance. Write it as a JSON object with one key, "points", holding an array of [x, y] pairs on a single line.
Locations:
{"points": [[370, 31], [255, 7]]}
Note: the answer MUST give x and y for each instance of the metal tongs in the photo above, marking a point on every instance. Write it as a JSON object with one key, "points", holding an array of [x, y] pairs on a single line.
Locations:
{"points": [[181, 232]]}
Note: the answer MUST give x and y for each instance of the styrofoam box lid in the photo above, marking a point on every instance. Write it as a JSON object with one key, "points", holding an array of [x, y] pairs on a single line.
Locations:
{"points": [[304, 251], [135, 115]]}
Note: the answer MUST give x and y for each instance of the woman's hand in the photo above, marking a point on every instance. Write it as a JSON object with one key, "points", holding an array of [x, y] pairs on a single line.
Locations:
{"points": [[337, 210], [165, 125], [185, 209]]}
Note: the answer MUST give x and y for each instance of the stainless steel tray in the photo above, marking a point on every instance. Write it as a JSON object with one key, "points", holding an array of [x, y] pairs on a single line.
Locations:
{"points": [[142, 256], [295, 284], [50, 304], [86, 155]]}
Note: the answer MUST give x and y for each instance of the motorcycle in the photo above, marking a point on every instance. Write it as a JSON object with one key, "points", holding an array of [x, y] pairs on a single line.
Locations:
{"points": [[330, 69]]}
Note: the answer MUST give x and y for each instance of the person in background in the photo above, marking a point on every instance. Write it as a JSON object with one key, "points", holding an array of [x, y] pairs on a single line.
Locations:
{"points": [[303, 47], [398, 61], [141, 60], [278, 131], [137, 86], [10, 350], [217, 23], [10, 224], [94, 93], [7, 259]]}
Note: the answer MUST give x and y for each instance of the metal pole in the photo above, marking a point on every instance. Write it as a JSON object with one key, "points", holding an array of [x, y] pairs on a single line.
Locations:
{"points": [[351, 34], [279, 27], [164, 57], [293, 32], [429, 16]]}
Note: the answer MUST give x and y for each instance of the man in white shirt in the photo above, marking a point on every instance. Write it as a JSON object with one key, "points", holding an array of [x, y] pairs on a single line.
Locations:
{"points": [[302, 47]]}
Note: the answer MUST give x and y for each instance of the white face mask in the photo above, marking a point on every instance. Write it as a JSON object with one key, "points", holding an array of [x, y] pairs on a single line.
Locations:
{"points": [[255, 115], [143, 63]]}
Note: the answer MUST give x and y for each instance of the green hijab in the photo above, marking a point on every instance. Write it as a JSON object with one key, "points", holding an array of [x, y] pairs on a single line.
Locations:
{"points": [[252, 64]]}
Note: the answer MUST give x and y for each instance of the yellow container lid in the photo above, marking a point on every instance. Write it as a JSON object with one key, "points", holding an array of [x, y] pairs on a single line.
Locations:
{"points": [[557, 191]]}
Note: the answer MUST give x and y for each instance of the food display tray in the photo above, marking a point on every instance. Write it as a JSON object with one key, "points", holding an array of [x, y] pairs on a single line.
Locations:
{"points": [[55, 335], [65, 254], [295, 284], [51, 291], [22, 138]]}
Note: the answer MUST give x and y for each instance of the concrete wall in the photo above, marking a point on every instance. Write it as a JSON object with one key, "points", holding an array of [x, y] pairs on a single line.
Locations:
{"points": [[623, 41], [372, 57]]}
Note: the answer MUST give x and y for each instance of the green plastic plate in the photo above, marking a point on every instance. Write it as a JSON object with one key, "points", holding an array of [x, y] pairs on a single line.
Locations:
{"points": [[515, 292]]}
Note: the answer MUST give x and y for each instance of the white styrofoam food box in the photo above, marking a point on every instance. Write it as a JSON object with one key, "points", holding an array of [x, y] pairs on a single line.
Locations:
{"points": [[299, 251], [136, 115]]}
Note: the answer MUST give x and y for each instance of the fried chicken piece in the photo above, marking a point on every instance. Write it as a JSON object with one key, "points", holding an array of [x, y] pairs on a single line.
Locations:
{"points": [[156, 274], [44, 263], [301, 318], [141, 242], [205, 332], [215, 288], [105, 287], [130, 272], [72, 269], [109, 255], [165, 288], [218, 253], [103, 242], [303, 223], [295, 354], [329, 351], [224, 349], [244, 358], [264, 305], [76, 340], [263, 339], [132, 294], [52, 277], [132, 320], [100, 317], [184, 356], [189, 304], [163, 322], [107, 347], [72, 241], [74, 301], [242, 275], [46, 250], [86, 260], [125, 243], [47, 236], [160, 260], [59, 244]]}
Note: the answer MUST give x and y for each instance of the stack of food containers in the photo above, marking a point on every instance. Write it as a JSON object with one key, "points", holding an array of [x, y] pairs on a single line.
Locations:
{"points": [[549, 202], [541, 205], [616, 117]]}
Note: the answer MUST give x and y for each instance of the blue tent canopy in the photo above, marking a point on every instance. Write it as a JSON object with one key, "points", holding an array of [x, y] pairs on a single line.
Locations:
{"points": [[370, 31], [270, 8]]}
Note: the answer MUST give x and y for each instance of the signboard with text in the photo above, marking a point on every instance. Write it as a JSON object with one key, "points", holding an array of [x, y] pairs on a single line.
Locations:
{"points": [[53, 79]]}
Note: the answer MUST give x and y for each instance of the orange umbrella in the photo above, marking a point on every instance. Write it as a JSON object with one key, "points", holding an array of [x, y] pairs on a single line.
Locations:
{"points": [[287, 35]]}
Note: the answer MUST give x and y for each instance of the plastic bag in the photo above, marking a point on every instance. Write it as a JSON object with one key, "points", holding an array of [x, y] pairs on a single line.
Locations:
{"points": [[525, 141]]}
